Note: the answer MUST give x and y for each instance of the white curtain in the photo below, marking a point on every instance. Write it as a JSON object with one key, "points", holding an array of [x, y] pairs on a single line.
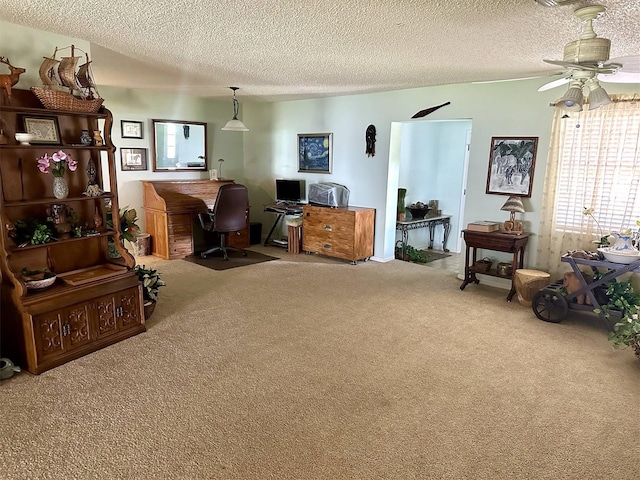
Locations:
{"points": [[593, 162]]}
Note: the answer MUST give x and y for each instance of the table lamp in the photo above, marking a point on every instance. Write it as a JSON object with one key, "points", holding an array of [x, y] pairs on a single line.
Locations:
{"points": [[220, 162], [513, 205]]}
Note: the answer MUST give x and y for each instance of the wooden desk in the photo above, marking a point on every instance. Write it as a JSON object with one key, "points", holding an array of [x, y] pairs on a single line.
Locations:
{"points": [[499, 242], [170, 210]]}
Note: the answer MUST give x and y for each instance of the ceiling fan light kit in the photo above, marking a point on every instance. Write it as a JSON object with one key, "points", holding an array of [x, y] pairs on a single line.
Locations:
{"points": [[587, 61]]}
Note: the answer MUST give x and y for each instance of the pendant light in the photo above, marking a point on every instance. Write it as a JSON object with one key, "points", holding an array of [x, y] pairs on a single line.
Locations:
{"points": [[234, 124]]}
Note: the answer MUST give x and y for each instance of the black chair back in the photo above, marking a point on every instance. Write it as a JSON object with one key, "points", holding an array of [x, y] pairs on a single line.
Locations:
{"points": [[230, 210]]}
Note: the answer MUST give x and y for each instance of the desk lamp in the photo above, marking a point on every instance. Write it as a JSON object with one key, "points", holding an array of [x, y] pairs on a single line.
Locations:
{"points": [[220, 162], [513, 205]]}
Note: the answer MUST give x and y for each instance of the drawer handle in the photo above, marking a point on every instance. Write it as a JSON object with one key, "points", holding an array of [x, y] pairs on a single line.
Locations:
{"points": [[327, 246], [327, 228]]}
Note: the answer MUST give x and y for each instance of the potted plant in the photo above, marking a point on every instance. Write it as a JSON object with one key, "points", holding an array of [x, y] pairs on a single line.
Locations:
{"points": [[129, 229], [128, 226], [623, 299], [151, 282]]}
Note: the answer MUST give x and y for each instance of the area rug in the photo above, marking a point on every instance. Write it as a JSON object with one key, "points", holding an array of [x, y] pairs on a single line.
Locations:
{"points": [[431, 256], [215, 261]]}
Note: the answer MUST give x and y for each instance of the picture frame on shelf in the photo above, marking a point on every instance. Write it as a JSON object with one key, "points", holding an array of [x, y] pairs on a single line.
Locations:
{"points": [[315, 152], [512, 162], [45, 130], [133, 158], [131, 129]]}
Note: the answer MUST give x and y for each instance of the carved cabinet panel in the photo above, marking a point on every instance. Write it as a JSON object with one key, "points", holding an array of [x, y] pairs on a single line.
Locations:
{"points": [[59, 332]]}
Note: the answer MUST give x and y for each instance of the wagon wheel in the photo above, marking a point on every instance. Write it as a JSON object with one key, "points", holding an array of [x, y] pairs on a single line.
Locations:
{"points": [[549, 305]]}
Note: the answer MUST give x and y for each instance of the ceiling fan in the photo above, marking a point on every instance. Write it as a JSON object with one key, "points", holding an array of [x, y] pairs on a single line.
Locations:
{"points": [[586, 60]]}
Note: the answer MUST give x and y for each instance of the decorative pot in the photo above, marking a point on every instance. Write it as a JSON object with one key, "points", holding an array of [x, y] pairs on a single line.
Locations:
{"points": [[149, 307], [97, 138], [85, 138], [60, 187], [623, 243], [402, 192]]}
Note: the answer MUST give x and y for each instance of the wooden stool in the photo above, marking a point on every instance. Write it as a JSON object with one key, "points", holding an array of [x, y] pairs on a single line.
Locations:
{"points": [[528, 283], [294, 235]]}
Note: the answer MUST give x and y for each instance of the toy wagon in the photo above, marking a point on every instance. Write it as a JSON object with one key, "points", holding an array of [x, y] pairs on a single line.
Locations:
{"points": [[553, 303]]}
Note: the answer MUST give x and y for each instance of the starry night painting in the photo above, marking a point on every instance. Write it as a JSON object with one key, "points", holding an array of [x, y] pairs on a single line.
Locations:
{"points": [[314, 152]]}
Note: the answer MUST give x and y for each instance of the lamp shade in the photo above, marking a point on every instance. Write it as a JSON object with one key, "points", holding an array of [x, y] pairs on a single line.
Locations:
{"points": [[598, 96], [572, 100], [235, 125], [513, 204]]}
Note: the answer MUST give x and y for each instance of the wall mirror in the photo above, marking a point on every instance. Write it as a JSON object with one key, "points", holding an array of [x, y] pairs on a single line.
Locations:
{"points": [[179, 145]]}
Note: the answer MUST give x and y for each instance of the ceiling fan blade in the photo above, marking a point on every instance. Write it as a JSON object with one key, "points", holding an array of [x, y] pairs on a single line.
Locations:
{"points": [[573, 66], [508, 80], [554, 83], [628, 72], [620, 77], [630, 63]]}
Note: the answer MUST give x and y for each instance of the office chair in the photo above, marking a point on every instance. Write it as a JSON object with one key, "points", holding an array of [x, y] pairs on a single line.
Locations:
{"points": [[229, 215]]}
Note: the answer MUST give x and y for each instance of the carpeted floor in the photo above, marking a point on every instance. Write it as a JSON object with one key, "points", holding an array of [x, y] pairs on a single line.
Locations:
{"points": [[311, 368], [216, 261]]}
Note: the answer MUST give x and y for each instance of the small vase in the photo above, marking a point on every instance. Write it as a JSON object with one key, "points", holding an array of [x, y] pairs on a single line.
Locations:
{"points": [[60, 187], [85, 138], [402, 192]]}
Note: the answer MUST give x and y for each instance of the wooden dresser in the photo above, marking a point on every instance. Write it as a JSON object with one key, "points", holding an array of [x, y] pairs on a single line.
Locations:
{"points": [[170, 211], [339, 232]]}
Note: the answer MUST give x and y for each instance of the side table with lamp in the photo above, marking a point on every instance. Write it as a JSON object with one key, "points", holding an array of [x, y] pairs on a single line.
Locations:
{"points": [[511, 240]]}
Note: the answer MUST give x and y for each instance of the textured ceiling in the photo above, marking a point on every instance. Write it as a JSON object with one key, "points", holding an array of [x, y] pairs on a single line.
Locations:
{"points": [[283, 50]]}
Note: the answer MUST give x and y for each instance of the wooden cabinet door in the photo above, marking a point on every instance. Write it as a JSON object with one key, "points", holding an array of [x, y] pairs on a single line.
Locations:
{"points": [[118, 312], [61, 331], [106, 316], [47, 329], [128, 308]]}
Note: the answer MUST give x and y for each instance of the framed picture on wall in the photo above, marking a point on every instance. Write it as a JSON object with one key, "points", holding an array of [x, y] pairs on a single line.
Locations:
{"points": [[133, 158], [314, 152], [130, 129], [511, 164]]}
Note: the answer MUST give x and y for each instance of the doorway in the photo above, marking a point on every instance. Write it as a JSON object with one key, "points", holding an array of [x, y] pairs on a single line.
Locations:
{"points": [[429, 158]]}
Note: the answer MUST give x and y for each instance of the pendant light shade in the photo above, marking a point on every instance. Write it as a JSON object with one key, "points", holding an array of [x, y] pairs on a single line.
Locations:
{"points": [[235, 125], [598, 97], [572, 100]]}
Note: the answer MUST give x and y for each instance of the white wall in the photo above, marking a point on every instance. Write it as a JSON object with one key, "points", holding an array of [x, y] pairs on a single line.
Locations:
{"points": [[495, 109]]}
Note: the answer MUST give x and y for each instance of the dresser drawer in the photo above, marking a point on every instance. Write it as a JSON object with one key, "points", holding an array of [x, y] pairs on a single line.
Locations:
{"points": [[239, 239], [180, 247], [327, 244]]}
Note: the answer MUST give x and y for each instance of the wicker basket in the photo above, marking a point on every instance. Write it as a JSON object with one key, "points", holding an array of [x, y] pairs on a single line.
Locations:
{"points": [[59, 100], [483, 266]]}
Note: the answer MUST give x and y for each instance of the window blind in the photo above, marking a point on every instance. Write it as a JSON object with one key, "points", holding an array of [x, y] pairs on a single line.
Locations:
{"points": [[599, 168]]}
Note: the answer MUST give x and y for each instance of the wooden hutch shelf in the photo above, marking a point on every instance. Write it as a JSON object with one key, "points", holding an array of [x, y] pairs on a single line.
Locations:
{"points": [[96, 299]]}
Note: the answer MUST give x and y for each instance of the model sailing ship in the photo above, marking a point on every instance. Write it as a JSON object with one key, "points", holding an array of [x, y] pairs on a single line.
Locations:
{"points": [[67, 86]]}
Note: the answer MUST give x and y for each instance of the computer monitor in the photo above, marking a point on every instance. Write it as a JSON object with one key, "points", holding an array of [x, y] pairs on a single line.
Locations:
{"points": [[288, 190]]}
